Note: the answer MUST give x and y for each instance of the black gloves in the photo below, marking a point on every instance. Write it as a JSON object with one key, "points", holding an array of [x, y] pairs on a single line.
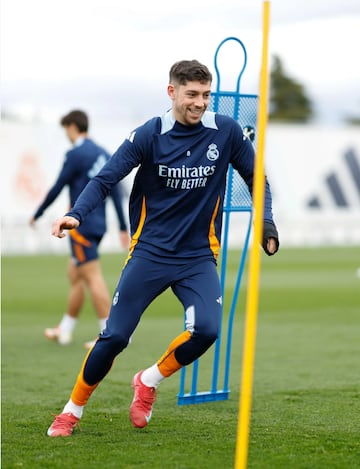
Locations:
{"points": [[270, 231]]}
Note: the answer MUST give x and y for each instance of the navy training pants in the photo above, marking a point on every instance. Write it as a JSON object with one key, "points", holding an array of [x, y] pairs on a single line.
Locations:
{"points": [[195, 284]]}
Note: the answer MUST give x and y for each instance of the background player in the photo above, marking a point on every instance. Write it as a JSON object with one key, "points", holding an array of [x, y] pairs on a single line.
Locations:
{"points": [[81, 164], [176, 208]]}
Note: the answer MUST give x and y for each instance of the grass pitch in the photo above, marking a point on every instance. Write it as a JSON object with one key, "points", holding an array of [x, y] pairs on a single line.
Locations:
{"points": [[306, 402]]}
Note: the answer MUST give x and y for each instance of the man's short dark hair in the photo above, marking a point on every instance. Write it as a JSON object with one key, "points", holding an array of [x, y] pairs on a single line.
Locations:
{"points": [[189, 70], [78, 118]]}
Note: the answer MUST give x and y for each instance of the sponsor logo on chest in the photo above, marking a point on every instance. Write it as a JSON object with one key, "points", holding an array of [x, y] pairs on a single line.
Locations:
{"points": [[190, 177]]}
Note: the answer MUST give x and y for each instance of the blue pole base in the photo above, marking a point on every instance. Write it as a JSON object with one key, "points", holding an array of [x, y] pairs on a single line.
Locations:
{"points": [[202, 397]]}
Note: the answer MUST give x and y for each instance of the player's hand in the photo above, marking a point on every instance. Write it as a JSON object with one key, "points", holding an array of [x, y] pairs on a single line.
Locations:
{"points": [[125, 239], [32, 222], [64, 223], [270, 242], [271, 246]]}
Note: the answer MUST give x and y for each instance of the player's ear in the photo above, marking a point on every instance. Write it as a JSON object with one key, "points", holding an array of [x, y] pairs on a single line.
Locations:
{"points": [[171, 91]]}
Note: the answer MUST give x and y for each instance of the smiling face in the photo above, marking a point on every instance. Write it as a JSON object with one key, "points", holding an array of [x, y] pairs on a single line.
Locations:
{"points": [[189, 101]]}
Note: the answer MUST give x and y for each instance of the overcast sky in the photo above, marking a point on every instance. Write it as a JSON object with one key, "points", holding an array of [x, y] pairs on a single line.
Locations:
{"points": [[113, 56]]}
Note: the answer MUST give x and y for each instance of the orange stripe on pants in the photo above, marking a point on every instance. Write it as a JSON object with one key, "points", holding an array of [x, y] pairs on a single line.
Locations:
{"points": [[167, 363], [82, 391], [79, 238], [79, 241]]}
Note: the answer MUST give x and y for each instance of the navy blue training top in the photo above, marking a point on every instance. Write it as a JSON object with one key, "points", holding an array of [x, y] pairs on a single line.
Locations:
{"points": [[81, 164], [176, 203]]}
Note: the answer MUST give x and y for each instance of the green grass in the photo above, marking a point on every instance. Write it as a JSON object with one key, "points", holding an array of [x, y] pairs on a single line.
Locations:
{"points": [[306, 400]]}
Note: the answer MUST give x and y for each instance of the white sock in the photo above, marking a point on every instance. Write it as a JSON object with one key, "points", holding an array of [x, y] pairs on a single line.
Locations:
{"points": [[152, 377], [74, 409], [102, 323], [68, 323]]}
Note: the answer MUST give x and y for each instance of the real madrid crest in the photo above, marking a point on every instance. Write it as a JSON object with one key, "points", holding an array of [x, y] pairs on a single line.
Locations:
{"points": [[213, 152]]}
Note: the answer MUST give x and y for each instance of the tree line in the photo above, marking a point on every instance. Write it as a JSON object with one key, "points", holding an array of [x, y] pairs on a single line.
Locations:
{"points": [[289, 100]]}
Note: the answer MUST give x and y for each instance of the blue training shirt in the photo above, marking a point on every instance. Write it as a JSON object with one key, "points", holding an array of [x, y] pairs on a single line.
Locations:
{"points": [[81, 164], [176, 203]]}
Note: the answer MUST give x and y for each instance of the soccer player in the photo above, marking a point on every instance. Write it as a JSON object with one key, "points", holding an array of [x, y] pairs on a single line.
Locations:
{"points": [[81, 164], [176, 208]]}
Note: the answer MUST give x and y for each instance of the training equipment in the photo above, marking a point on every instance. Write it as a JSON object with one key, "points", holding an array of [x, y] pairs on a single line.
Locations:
{"points": [[252, 300], [243, 108], [63, 425], [141, 406]]}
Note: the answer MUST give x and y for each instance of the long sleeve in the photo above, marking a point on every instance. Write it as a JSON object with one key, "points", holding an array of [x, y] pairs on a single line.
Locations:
{"points": [[116, 197]]}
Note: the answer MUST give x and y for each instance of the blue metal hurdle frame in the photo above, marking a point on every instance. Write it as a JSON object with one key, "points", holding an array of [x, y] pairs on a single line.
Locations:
{"points": [[237, 199]]}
